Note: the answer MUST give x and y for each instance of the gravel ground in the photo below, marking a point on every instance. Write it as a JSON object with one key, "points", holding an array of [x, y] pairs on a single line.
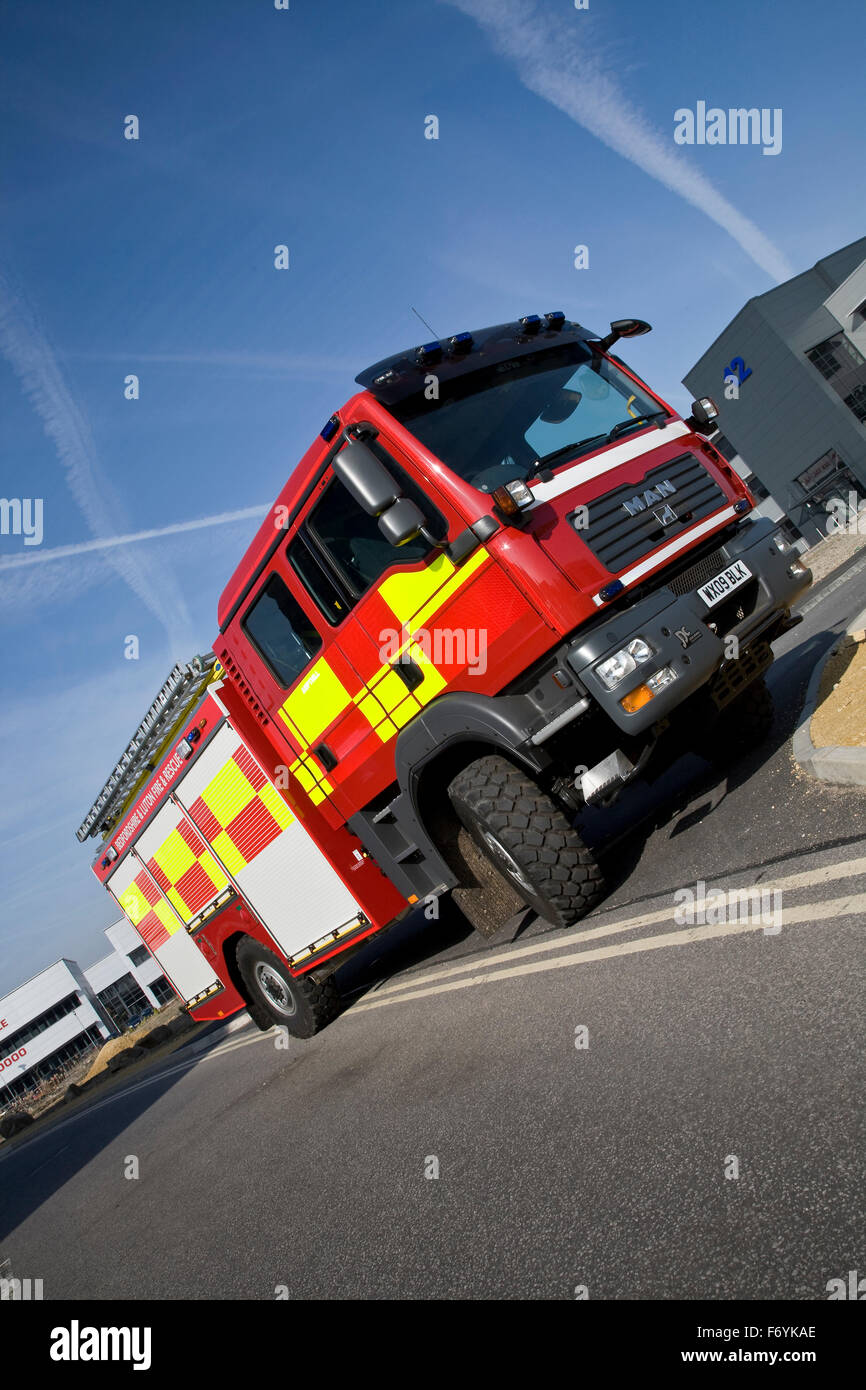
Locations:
{"points": [[840, 717]]}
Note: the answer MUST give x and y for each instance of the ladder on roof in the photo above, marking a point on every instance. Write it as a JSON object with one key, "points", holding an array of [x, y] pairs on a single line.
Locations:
{"points": [[180, 692]]}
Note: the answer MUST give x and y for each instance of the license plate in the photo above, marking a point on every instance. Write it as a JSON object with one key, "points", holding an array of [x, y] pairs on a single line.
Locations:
{"points": [[729, 579]]}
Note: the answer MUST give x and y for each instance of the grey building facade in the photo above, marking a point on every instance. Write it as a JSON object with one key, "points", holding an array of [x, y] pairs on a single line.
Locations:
{"points": [[789, 376], [50, 1021]]}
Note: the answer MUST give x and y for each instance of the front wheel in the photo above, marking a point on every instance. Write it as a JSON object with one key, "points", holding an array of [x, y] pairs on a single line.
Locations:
{"points": [[302, 1006], [519, 833]]}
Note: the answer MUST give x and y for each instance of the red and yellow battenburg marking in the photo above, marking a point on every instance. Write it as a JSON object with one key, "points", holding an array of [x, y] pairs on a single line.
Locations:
{"points": [[186, 871], [410, 598], [239, 811], [148, 911]]}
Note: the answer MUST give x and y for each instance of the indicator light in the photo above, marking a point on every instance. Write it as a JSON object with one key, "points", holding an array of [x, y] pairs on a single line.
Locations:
{"points": [[611, 590], [636, 699]]}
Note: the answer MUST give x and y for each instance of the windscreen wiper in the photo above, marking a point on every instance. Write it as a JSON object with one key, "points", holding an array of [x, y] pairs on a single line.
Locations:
{"points": [[640, 420], [571, 450]]}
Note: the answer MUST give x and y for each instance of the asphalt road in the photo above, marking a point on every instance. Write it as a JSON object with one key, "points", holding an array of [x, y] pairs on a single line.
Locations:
{"points": [[711, 1048]]}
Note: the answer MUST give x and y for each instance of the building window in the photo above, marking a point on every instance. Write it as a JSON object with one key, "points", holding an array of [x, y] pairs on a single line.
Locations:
{"points": [[823, 483], [162, 990], [52, 1066], [824, 467], [139, 955], [856, 401], [824, 358], [123, 1000], [38, 1025], [844, 367]]}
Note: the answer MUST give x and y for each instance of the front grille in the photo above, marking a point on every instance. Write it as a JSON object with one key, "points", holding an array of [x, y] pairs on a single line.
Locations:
{"points": [[701, 573], [618, 539]]}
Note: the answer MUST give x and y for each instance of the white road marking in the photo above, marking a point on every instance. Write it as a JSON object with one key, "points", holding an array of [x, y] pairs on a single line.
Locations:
{"points": [[807, 912], [829, 873]]}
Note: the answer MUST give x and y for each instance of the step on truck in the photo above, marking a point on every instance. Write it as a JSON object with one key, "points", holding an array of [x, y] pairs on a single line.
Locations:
{"points": [[504, 582]]}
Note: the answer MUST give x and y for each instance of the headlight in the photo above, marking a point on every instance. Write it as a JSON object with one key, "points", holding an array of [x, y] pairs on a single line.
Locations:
{"points": [[660, 679], [614, 669], [642, 694]]}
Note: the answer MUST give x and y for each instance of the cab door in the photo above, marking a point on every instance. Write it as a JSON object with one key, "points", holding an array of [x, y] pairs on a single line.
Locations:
{"points": [[305, 682], [419, 623]]}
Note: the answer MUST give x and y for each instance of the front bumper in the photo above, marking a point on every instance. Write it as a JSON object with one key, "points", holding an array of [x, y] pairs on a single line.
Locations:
{"points": [[677, 627]]}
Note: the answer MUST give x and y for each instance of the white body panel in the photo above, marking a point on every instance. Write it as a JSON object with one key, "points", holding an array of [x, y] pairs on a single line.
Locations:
{"points": [[179, 957], [289, 884]]}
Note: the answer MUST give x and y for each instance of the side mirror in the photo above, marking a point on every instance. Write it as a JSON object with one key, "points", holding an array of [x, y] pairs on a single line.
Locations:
{"points": [[624, 328], [704, 415], [402, 521], [630, 328], [368, 480]]}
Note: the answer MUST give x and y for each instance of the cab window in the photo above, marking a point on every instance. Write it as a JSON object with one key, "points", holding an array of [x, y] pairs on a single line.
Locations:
{"points": [[354, 541], [281, 631], [350, 543]]}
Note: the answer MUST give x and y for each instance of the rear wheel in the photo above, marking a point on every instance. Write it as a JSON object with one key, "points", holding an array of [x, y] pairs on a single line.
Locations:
{"points": [[302, 1006], [518, 848]]}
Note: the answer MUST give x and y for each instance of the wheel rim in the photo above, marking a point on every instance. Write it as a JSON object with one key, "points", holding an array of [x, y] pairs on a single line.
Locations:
{"points": [[275, 990], [509, 864]]}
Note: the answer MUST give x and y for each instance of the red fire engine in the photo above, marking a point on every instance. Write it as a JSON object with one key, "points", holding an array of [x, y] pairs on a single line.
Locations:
{"points": [[505, 581]]}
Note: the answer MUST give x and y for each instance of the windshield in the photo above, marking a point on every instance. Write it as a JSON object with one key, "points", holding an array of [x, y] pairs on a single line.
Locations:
{"points": [[500, 423]]}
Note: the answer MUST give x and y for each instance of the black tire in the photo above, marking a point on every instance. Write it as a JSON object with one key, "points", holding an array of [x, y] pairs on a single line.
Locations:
{"points": [[301, 1006], [517, 831], [742, 726]]}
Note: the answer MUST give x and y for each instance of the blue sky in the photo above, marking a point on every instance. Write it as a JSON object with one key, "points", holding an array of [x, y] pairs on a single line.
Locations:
{"points": [[306, 127]]}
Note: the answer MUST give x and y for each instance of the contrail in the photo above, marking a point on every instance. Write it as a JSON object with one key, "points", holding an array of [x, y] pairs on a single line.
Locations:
{"points": [[550, 61], [62, 552], [29, 353]]}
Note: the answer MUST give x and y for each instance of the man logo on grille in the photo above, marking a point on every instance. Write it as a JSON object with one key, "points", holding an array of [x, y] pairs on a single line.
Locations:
{"points": [[641, 500], [666, 514]]}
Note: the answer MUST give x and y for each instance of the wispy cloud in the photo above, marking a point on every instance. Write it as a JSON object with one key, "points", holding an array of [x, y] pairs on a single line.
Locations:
{"points": [[28, 351], [103, 543], [551, 59]]}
